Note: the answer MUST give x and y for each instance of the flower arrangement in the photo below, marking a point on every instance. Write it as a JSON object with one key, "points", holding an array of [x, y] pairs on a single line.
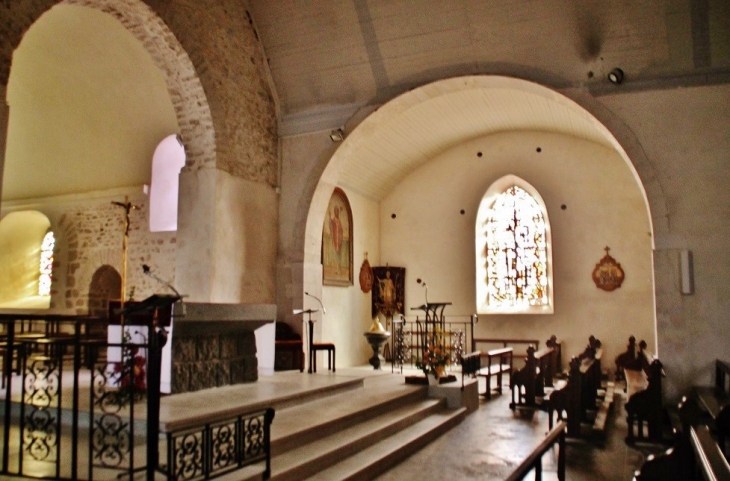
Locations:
{"points": [[435, 356]]}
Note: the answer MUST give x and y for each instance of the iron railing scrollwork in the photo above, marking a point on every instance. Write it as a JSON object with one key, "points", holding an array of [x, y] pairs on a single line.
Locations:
{"points": [[214, 449], [410, 338], [40, 411], [111, 421], [44, 426]]}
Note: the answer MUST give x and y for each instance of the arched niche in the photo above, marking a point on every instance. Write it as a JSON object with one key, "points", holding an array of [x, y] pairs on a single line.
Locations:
{"points": [[105, 285], [21, 236]]}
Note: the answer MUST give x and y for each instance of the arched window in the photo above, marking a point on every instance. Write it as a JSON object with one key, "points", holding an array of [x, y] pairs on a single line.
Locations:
{"points": [[514, 273], [168, 159], [26, 260], [46, 264]]}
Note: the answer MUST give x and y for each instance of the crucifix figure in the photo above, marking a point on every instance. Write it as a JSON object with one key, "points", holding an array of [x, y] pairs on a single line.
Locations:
{"points": [[127, 206]]}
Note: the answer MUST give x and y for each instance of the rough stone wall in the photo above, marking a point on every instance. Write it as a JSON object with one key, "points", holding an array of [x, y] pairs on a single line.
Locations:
{"points": [[223, 44], [89, 234], [202, 362]]}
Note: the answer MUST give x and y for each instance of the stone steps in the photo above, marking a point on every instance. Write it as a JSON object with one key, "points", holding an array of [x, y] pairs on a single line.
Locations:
{"points": [[356, 434]]}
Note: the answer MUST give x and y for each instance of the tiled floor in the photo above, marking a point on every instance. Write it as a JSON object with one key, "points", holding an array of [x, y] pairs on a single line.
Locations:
{"points": [[487, 445], [493, 440]]}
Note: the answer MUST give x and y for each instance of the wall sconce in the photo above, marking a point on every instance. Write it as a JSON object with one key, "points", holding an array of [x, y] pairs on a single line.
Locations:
{"points": [[337, 135], [686, 269], [616, 76]]}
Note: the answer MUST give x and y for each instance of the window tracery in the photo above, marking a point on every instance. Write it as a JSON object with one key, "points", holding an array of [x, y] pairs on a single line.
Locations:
{"points": [[46, 265]]}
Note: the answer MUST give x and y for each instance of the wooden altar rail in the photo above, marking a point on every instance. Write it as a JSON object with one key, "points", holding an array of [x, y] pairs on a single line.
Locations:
{"points": [[534, 460], [711, 463], [504, 342]]}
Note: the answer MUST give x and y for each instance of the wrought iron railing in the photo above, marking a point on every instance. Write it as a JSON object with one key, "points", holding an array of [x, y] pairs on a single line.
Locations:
{"points": [[45, 428], [214, 449], [411, 335]]}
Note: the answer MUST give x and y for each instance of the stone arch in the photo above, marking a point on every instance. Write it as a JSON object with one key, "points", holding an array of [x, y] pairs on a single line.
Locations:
{"points": [[183, 83], [316, 193]]}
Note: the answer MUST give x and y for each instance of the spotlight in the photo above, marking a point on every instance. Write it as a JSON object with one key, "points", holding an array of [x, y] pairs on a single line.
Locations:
{"points": [[616, 76], [337, 135]]}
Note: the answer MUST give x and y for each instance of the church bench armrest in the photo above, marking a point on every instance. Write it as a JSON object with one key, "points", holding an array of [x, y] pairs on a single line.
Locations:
{"points": [[635, 381]]}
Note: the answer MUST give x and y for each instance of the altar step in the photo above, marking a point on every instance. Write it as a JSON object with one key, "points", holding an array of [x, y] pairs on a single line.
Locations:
{"points": [[356, 434]]}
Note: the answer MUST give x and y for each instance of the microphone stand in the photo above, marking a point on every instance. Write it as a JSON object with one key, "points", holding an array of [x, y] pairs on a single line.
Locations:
{"points": [[324, 311], [146, 269]]}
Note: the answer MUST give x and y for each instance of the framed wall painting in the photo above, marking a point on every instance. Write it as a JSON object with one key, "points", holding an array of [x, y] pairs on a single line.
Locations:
{"points": [[389, 291], [337, 241]]}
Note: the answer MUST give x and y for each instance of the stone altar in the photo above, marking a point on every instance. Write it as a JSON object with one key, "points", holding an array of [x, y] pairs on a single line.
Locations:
{"points": [[212, 345]]}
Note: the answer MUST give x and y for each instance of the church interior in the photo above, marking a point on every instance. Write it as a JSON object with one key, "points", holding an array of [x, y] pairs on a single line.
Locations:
{"points": [[206, 141]]}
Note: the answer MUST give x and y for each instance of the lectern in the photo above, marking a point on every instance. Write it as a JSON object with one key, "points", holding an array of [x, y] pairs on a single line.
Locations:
{"points": [[156, 311], [434, 318]]}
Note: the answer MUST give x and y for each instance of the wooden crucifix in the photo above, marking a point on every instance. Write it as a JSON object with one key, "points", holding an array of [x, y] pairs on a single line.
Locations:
{"points": [[127, 206]]}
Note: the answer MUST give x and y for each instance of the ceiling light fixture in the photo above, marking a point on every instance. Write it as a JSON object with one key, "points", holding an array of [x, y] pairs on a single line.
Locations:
{"points": [[337, 135], [616, 76]]}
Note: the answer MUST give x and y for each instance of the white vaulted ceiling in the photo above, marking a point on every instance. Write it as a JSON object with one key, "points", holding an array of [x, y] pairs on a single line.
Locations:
{"points": [[421, 124], [331, 60]]}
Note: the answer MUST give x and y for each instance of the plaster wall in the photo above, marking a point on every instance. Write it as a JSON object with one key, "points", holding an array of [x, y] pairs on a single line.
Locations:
{"points": [[423, 229], [684, 133], [229, 250], [93, 120], [245, 237], [349, 308]]}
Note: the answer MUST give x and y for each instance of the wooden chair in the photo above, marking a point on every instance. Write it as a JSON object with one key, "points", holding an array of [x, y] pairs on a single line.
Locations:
{"points": [[319, 346]]}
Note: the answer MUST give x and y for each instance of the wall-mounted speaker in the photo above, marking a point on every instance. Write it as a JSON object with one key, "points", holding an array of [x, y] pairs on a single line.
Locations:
{"points": [[686, 271]]}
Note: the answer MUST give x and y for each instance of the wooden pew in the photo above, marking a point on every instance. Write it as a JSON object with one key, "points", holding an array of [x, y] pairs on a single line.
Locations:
{"points": [[677, 462], [715, 400], [528, 384], [644, 394], [470, 365], [579, 395], [565, 400], [625, 359], [503, 356], [592, 373]]}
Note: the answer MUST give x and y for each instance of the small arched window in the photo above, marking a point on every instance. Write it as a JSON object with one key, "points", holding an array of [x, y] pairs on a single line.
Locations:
{"points": [[46, 264], [168, 159], [514, 273]]}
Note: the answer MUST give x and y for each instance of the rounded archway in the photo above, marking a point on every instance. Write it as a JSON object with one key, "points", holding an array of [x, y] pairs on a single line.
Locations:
{"points": [[457, 115]]}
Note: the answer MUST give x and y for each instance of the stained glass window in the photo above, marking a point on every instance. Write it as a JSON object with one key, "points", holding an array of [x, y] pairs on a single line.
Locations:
{"points": [[46, 266], [516, 251]]}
